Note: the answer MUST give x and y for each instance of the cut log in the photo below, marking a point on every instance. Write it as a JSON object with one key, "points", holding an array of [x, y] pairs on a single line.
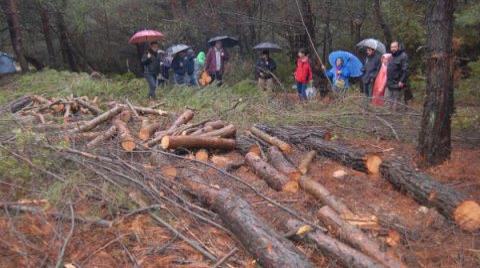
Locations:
{"points": [[278, 160], [424, 189], [306, 160], [432, 193], [68, 111], [333, 248], [218, 124], [356, 238], [296, 134], [285, 147], [20, 103], [190, 142], [102, 137], [126, 139], [225, 132], [99, 119], [92, 108], [82, 136], [182, 119], [147, 129], [202, 155], [270, 249], [269, 174], [245, 145], [323, 194], [146, 110]]}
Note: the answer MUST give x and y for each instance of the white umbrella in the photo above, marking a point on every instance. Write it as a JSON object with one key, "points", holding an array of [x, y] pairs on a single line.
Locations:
{"points": [[373, 44]]}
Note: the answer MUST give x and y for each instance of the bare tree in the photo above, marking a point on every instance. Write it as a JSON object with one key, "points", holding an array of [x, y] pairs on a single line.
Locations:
{"points": [[381, 22], [435, 136]]}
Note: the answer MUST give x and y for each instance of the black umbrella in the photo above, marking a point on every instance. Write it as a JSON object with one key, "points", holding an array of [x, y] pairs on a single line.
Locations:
{"points": [[227, 41], [268, 46], [173, 50]]}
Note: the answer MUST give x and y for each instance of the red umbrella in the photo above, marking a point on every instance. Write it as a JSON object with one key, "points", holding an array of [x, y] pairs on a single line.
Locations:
{"points": [[145, 36]]}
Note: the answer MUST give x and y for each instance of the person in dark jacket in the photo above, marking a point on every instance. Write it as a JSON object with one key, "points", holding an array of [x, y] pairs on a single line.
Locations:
{"points": [[370, 71], [163, 68], [150, 68], [397, 74], [264, 68], [215, 63], [179, 68], [190, 66]]}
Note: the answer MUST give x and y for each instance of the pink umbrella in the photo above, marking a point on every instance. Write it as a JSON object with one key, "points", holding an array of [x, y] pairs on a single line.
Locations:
{"points": [[145, 36]]}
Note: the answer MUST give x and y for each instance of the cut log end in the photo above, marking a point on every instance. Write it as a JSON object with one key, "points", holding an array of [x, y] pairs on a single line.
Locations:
{"points": [[373, 163], [144, 134], [286, 148], [165, 142], [202, 155], [291, 187], [128, 145], [169, 172], [467, 216]]}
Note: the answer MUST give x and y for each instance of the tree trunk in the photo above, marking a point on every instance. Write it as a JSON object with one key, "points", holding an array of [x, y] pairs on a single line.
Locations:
{"points": [[333, 248], [13, 21], [273, 177], [147, 129], [434, 144], [278, 160], [174, 142], [246, 144], [126, 139], [387, 34], [45, 18], [357, 238], [269, 248], [225, 132], [99, 119], [306, 160], [285, 147], [102, 137], [67, 51]]}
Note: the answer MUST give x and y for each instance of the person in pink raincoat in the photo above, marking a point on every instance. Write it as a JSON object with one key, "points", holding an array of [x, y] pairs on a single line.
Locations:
{"points": [[381, 82]]}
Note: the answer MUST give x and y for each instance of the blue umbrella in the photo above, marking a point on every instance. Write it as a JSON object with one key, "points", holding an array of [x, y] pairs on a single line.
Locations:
{"points": [[350, 61]]}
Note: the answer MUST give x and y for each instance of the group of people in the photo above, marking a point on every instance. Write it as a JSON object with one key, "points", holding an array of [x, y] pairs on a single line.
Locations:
{"points": [[384, 76], [186, 66]]}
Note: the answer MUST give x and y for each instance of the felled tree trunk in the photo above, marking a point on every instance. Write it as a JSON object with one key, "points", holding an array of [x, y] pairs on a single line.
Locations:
{"points": [[93, 109], [296, 134], [266, 246], [173, 142], [102, 137], [99, 119], [357, 238], [278, 160], [126, 139], [273, 177], [20, 103], [209, 126], [305, 162], [245, 145], [147, 129], [333, 248], [429, 192], [184, 118], [225, 132], [285, 147]]}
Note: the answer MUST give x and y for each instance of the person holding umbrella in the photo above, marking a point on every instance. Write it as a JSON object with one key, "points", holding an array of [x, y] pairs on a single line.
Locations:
{"points": [[179, 66], [217, 56], [345, 65], [265, 66], [151, 67]]}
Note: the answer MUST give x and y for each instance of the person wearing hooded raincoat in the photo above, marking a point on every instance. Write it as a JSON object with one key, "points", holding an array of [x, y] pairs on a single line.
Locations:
{"points": [[199, 64], [339, 75], [303, 74], [381, 81]]}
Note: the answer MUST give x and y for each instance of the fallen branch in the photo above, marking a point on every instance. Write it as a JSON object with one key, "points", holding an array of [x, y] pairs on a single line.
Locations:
{"points": [[225, 258], [306, 160], [285, 147], [99, 119], [67, 239], [280, 162]]}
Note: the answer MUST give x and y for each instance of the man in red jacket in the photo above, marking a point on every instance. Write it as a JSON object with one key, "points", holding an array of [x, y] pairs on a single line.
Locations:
{"points": [[215, 63], [303, 74]]}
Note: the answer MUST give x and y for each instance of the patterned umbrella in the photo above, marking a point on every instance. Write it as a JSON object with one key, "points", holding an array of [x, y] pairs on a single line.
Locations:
{"points": [[227, 41], [173, 50], [268, 46], [145, 36], [351, 62], [373, 44]]}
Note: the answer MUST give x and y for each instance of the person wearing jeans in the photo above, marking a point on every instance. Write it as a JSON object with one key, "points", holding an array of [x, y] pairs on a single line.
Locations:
{"points": [[303, 74]]}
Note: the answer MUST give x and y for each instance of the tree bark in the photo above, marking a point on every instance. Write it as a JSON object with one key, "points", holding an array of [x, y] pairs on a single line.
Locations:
{"points": [[102, 137], [66, 48], [246, 144], [45, 18], [306, 160], [174, 142], [278, 160], [99, 119], [269, 248], [209, 126], [387, 34], [333, 248], [184, 118], [285, 147], [147, 129], [272, 177], [94, 109], [225, 132], [357, 238], [434, 144], [126, 139], [429, 192], [13, 21]]}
